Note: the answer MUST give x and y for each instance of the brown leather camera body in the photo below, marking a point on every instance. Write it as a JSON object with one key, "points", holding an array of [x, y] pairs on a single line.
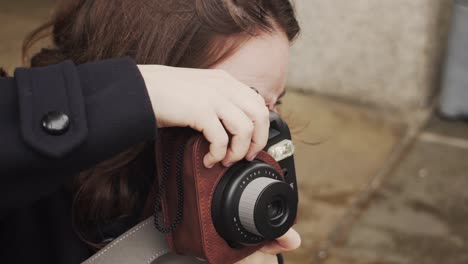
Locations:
{"points": [[195, 235]]}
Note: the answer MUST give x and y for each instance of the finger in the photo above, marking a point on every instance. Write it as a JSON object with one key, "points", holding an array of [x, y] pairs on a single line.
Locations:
{"points": [[288, 242], [259, 257], [254, 107], [215, 133], [240, 127], [261, 121]]}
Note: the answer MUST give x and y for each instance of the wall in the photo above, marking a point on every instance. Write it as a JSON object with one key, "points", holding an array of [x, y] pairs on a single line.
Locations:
{"points": [[17, 19], [383, 52]]}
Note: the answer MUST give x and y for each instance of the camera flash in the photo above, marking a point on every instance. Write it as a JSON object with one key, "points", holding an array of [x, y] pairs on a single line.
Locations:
{"points": [[282, 150]]}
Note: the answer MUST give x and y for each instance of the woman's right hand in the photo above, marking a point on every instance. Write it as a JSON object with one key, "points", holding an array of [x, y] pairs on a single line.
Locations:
{"points": [[267, 255], [231, 116]]}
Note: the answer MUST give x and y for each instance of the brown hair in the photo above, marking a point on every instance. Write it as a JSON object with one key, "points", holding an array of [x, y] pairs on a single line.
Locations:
{"points": [[2, 73], [184, 33]]}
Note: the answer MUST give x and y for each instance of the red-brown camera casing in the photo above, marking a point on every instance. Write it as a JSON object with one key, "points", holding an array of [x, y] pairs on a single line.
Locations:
{"points": [[196, 235]]}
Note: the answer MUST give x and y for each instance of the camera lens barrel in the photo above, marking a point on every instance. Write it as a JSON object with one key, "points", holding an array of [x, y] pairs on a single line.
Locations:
{"points": [[252, 203], [264, 207], [248, 202]]}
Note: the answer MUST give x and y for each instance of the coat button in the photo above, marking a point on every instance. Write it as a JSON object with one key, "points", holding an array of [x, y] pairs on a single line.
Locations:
{"points": [[55, 123]]}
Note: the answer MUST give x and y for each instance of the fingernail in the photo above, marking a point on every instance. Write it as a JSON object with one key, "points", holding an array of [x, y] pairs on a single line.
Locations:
{"points": [[228, 165]]}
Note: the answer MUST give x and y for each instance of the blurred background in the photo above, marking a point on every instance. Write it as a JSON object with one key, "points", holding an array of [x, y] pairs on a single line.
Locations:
{"points": [[377, 96]]}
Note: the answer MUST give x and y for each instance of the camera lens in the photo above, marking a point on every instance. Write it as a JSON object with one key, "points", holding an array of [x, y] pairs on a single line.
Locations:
{"points": [[276, 212], [264, 207], [252, 203], [273, 210]]}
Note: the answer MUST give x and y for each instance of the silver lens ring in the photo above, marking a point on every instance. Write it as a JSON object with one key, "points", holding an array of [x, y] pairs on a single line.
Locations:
{"points": [[248, 201]]}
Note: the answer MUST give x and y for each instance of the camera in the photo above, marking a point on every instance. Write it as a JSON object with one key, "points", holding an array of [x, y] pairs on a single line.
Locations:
{"points": [[254, 201], [223, 214]]}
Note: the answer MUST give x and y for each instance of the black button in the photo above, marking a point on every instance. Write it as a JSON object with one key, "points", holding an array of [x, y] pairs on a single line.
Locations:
{"points": [[55, 123]]}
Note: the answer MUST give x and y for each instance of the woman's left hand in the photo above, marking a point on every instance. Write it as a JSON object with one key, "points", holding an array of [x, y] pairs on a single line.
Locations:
{"points": [[267, 255]]}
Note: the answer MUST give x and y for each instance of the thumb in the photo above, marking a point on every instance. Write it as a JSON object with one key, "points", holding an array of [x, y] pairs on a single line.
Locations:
{"points": [[288, 242]]}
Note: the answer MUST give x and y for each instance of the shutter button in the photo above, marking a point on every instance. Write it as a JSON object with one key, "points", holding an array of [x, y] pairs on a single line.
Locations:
{"points": [[55, 123]]}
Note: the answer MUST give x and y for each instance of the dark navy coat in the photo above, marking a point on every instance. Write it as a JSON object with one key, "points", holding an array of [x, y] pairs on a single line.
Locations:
{"points": [[54, 122]]}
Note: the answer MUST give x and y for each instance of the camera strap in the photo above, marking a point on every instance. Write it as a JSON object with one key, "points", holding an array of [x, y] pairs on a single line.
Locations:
{"points": [[162, 189], [142, 244]]}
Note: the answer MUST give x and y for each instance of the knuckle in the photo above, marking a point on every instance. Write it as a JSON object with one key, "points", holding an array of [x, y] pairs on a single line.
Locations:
{"points": [[218, 154], [259, 98], [235, 155], [262, 138], [249, 128], [222, 141], [260, 115], [265, 110], [256, 147], [202, 112], [218, 157], [202, 121], [263, 113], [266, 114], [261, 146]]}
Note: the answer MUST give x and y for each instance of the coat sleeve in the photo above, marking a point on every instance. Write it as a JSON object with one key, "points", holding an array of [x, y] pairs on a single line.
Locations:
{"points": [[60, 119]]}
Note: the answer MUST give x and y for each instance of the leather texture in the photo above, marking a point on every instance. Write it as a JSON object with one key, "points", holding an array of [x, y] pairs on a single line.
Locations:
{"points": [[196, 235]]}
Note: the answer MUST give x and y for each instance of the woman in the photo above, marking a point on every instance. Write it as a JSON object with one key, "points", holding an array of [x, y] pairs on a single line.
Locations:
{"points": [[248, 39]]}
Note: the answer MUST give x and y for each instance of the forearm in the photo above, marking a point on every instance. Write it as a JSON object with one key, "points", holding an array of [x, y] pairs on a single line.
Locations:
{"points": [[113, 113]]}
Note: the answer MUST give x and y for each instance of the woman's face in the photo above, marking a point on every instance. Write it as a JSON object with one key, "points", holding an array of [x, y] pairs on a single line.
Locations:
{"points": [[262, 62]]}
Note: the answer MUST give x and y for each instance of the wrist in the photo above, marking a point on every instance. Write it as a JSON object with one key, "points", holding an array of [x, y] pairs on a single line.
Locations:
{"points": [[152, 77]]}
